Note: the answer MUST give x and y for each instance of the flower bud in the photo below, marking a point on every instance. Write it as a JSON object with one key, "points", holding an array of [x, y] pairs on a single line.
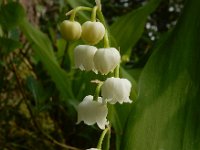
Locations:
{"points": [[92, 112], [106, 59], [83, 57], [92, 32], [116, 90], [70, 30]]}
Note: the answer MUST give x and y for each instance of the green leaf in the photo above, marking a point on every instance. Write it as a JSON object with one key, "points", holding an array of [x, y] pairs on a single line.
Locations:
{"points": [[75, 3], [128, 29], [119, 113], [166, 115], [8, 45], [43, 49], [60, 44], [37, 91], [11, 15]]}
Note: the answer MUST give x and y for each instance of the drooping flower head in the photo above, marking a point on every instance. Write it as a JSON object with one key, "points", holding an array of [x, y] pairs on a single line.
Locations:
{"points": [[106, 59], [92, 112], [92, 32], [116, 90], [70, 30], [83, 57]]}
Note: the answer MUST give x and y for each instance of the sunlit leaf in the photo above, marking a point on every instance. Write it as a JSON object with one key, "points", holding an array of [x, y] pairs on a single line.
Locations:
{"points": [[166, 115]]}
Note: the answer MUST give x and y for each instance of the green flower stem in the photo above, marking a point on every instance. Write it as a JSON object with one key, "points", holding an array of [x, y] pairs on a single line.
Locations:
{"points": [[72, 13], [94, 13], [98, 4], [97, 91], [116, 71], [99, 146], [107, 145], [102, 20], [106, 40], [101, 17]]}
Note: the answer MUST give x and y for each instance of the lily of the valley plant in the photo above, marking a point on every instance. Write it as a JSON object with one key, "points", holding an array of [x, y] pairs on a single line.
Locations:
{"points": [[104, 60]]}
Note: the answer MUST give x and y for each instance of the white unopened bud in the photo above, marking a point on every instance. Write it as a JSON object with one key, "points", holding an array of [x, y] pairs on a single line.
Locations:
{"points": [[92, 32], [106, 59], [83, 57], [92, 112], [116, 90], [70, 30]]}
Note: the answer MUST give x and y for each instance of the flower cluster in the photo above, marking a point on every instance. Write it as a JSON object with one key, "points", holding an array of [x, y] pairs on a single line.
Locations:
{"points": [[113, 90], [103, 60], [93, 109]]}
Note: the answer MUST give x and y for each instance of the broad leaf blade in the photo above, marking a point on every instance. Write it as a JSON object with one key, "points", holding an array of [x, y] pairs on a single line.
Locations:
{"points": [[166, 115], [119, 113], [128, 29], [43, 49]]}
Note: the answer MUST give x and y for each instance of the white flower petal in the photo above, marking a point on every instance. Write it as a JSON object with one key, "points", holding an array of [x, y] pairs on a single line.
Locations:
{"points": [[83, 57], [93, 149], [106, 59], [116, 90], [92, 112]]}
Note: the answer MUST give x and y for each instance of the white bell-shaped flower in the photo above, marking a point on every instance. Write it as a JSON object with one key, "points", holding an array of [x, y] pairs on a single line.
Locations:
{"points": [[83, 57], [116, 90], [92, 112], [92, 32], [93, 149], [106, 59]]}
